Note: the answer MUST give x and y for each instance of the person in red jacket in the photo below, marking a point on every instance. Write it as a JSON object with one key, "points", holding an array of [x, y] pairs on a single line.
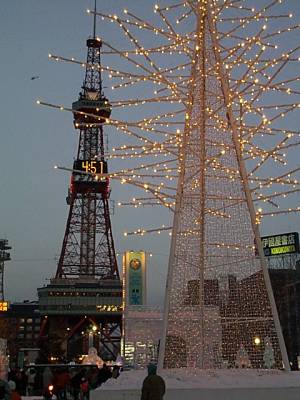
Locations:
{"points": [[154, 386], [61, 380], [14, 395]]}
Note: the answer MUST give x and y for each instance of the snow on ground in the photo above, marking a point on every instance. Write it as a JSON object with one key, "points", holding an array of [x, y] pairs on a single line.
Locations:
{"points": [[180, 379], [32, 397]]}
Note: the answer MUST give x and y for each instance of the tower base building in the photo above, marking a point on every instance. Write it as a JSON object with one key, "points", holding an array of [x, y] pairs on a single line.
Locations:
{"points": [[81, 314]]}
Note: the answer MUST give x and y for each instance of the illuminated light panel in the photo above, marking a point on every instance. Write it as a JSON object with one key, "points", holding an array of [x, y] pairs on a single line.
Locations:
{"points": [[3, 306]]}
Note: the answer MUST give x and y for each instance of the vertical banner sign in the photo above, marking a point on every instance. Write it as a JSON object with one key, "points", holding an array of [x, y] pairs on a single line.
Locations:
{"points": [[135, 262]]}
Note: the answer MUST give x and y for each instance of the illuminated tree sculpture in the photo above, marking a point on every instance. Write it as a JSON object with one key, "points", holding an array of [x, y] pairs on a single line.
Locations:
{"points": [[215, 87], [215, 239]]}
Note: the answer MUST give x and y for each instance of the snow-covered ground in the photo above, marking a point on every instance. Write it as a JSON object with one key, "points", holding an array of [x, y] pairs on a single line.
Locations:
{"points": [[32, 397], [178, 378], [207, 385]]}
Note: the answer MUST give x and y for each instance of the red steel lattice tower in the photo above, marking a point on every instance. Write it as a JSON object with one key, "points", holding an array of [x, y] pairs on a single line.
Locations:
{"points": [[82, 305], [88, 246]]}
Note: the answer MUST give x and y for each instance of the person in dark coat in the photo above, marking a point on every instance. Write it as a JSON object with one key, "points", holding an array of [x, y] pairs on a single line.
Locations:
{"points": [[61, 381], [5, 392], [116, 371], [154, 386], [47, 379], [21, 380], [104, 374], [75, 383]]}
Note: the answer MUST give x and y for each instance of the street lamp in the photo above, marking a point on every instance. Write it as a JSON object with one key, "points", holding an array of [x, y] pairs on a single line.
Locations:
{"points": [[257, 341], [91, 335]]}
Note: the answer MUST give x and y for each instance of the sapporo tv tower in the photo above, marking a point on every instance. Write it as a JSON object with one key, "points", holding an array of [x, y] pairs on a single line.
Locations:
{"points": [[82, 305]]}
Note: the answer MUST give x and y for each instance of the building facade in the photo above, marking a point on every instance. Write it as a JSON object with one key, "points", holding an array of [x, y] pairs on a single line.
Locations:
{"points": [[20, 325]]}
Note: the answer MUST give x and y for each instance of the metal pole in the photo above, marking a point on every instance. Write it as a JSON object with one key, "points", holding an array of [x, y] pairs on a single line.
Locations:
{"points": [[94, 26]]}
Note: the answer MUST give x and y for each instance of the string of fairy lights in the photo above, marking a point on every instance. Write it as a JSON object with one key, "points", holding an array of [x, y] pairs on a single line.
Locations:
{"points": [[152, 73]]}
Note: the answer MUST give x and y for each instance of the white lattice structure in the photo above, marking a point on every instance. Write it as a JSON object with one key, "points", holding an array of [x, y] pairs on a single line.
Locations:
{"points": [[215, 228]]}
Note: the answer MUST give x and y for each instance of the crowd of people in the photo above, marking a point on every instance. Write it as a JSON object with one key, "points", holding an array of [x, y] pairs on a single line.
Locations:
{"points": [[71, 383], [66, 382]]}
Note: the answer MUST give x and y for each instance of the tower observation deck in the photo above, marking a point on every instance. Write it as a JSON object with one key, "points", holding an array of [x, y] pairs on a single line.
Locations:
{"points": [[82, 305]]}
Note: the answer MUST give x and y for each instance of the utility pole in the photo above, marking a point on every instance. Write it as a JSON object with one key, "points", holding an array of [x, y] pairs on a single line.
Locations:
{"points": [[4, 256]]}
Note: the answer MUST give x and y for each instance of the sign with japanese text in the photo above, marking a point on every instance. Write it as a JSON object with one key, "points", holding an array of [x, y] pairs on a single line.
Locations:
{"points": [[277, 245]]}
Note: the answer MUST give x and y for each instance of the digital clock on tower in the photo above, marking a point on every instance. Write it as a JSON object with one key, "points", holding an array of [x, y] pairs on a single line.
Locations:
{"points": [[90, 166]]}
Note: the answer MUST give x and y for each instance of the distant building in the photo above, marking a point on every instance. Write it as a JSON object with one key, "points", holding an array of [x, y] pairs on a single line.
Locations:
{"points": [[21, 327], [142, 333], [286, 288]]}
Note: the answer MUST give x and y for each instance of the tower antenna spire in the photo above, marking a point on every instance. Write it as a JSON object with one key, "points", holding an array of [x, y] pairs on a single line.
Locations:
{"points": [[94, 26]]}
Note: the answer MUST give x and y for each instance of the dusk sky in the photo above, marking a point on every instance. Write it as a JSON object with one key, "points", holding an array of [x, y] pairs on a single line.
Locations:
{"points": [[33, 209]]}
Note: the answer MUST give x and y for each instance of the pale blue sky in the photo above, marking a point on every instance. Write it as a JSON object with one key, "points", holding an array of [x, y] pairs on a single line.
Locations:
{"points": [[33, 210]]}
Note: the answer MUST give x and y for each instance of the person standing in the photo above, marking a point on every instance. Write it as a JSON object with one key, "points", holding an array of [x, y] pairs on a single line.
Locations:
{"points": [[4, 390], [115, 372], [47, 380], [14, 395], [104, 374], [30, 381], [61, 382], [21, 379], [84, 389], [76, 382], [154, 386]]}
